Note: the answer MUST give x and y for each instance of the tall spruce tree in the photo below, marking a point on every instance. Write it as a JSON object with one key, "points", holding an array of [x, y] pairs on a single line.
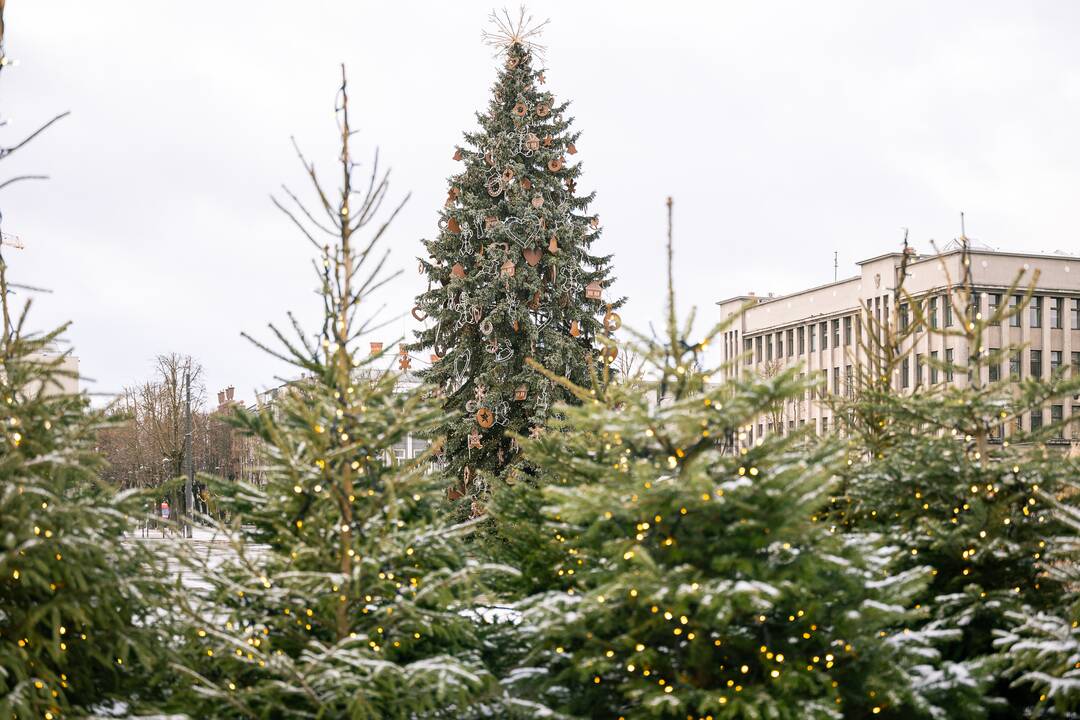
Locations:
{"points": [[956, 476], [695, 579], [511, 274], [347, 590]]}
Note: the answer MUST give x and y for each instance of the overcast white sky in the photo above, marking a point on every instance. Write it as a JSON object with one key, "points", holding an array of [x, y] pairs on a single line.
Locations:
{"points": [[784, 130]]}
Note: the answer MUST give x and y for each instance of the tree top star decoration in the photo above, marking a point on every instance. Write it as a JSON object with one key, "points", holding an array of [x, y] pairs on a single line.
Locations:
{"points": [[509, 31]]}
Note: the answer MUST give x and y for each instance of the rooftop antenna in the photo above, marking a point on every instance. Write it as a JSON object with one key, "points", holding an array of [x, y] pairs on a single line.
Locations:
{"points": [[835, 265]]}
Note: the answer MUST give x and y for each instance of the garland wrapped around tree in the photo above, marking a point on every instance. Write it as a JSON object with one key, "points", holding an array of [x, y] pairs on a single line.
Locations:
{"points": [[347, 592], [952, 475], [511, 274]]}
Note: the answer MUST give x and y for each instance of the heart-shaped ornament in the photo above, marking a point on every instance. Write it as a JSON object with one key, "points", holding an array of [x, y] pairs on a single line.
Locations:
{"points": [[532, 255]]}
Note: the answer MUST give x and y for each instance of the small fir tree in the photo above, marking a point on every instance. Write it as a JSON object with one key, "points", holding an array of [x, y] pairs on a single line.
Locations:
{"points": [[695, 579], [934, 470], [511, 273], [78, 618], [347, 591]]}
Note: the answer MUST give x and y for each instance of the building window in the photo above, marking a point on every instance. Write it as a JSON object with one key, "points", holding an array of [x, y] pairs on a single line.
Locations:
{"points": [[847, 330], [995, 366], [836, 380], [1057, 311], [836, 332], [1036, 364], [768, 346], [1076, 363], [995, 303], [824, 425], [824, 335], [1036, 312], [1036, 419], [757, 348], [904, 320], [1055, 362], [790, 342], [1014, 365], [1057, 417], [802, 340], [976, 305], [1076, 314], [933, 367], [748, 350], [779, 345], [810, 329], [905, 372], [948, 364], [849, 381], [946, 310], [1014, 311], [932, 312]]}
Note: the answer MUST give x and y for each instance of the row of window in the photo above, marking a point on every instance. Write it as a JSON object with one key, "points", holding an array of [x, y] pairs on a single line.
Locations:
{"points": [[1036, 310], [1015, 366], [797, 341], [1035, 422]]}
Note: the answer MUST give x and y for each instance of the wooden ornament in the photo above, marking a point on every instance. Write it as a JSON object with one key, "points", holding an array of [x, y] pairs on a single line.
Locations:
{"points": [[543, 109], [455, 193], [520, 109], [495, 186], [593, 291], [512, 61], [595, 222], [458, 271], [532, 142], [609, 353], [553, 245], [376, 348], [453, 226], [526, 184], [419, 314], [548, 140], [555, 164], [508, 268], [490, 221], [474, 439], [404, 361], [457, 154], [534, 302], [571, 185], [485, 418], [517, 326], [508, 174], [522, 392], [571, 149], [575, 329], [612, 321], [537, 201], [532, 256], [489, 158], [435, 358]]}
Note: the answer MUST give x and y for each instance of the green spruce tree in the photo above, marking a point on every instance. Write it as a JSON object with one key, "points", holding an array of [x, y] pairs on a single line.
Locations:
{"points": [[511, 273], [952, 475], [347, 590], [79, 622], [696, 581]]}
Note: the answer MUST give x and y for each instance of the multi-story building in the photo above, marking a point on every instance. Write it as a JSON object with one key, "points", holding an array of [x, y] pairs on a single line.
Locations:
{"points": [[820, 329]]}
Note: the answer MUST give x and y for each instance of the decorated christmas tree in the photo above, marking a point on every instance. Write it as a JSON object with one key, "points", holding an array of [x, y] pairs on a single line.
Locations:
{"points": [[79, 624], [956, 477], [347, 590], [696, 579], [511, 274]]}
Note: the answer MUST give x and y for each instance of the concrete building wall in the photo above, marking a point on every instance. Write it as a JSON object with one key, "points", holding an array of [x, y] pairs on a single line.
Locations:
{"points": [[819, 329]]}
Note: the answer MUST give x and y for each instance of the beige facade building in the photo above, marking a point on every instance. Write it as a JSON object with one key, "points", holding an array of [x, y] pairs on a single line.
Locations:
{"points": [[819, 329]]}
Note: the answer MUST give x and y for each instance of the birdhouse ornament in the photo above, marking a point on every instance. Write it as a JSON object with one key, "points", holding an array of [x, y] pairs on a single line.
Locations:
{"points": [[593, 291]]}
